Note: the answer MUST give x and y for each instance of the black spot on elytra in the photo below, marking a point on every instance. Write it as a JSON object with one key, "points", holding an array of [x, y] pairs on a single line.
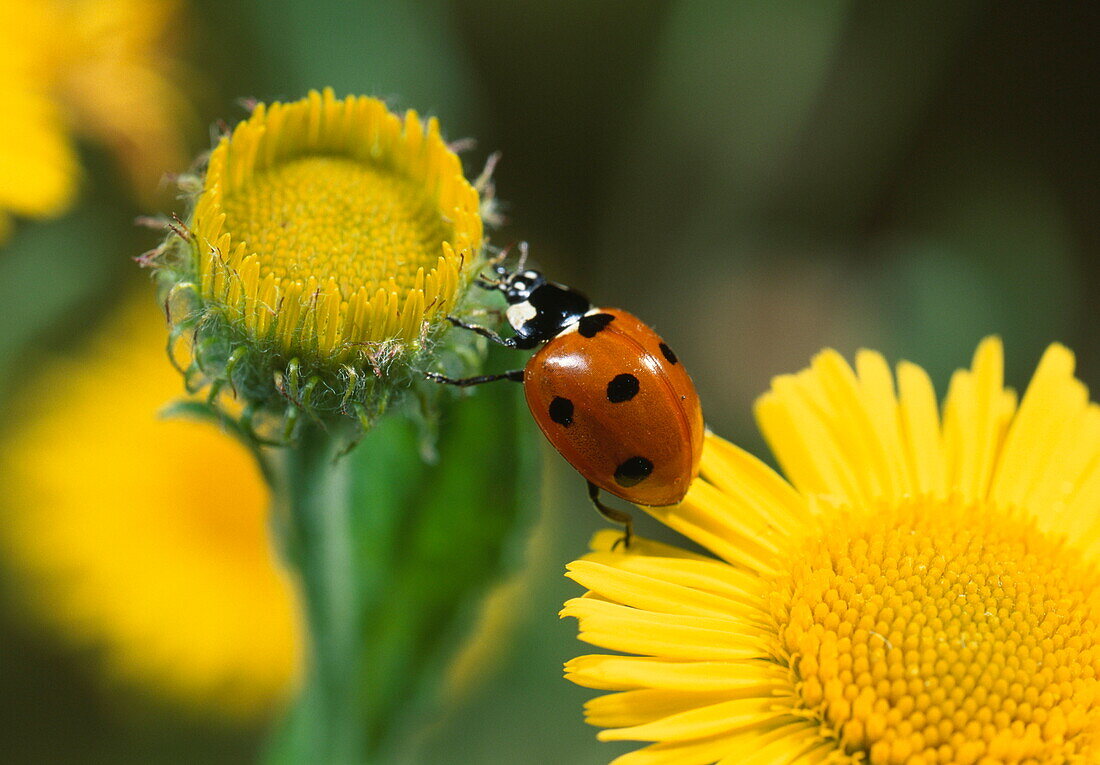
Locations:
{"points": [[633, 471], [561, 411], [588, 326], [668, 354], [623, 388]]}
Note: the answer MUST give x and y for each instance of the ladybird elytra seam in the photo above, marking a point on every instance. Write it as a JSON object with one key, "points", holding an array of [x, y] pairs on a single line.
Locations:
{"points": [[652, 362]]}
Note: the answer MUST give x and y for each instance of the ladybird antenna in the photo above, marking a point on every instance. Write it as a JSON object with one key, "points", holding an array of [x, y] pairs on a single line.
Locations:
{"points": [[500, 257], [522, 257], [495, 264]]}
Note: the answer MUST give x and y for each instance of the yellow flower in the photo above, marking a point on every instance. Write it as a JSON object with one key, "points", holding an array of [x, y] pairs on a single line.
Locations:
{"points": [[142, 537], [329, 240], [328, 224], [923, 590], [102, 69]]}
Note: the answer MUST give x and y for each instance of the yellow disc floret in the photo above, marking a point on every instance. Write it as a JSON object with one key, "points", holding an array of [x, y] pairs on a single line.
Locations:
{"points": [[353, 209], [325, 226], [946, 634]]}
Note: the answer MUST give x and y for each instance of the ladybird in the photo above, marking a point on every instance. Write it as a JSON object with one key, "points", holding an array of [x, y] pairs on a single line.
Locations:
{"points": [[606, 391]]}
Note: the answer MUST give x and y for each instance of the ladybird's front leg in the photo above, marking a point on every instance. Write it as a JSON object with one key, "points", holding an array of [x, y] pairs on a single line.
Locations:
{"points": [[516, 375], [507, 342], [613, 515]]}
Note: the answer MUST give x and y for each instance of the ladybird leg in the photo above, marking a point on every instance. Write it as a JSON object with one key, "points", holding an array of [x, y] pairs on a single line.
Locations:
{"points": [[516, 375], [507, 342], [613, 515]]}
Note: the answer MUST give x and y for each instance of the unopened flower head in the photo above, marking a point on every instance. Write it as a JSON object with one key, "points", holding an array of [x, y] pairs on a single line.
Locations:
{"points": [[329, 238]]}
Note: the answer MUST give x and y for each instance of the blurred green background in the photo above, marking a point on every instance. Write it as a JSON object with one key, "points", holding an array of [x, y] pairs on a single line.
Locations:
{"points": [[757, 180]]}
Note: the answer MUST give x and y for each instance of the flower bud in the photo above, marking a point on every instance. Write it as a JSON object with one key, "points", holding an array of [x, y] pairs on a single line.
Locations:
{"points": [[327, 242]]}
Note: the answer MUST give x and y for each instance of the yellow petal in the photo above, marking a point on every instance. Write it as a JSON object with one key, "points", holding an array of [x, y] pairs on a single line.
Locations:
{"points": [[712, 518], [790, 418], [705, 721], [753, 486], [881, 402], [976, 415], [850, 425], [797, 742], [712, 750], [638, 707], [707, 575], [621, 628], [655, 593], [920, 427], [631, 672], [1050, 441]]}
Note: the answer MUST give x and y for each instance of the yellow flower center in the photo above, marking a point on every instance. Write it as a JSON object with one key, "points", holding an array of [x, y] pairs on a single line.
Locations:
{"points": [[327, 226], [362, 225], [944, 633]]}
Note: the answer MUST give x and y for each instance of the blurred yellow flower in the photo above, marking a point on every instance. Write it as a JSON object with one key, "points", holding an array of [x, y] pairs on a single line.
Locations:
{"points": [[143, 537], [923, 590], [101, 69]]}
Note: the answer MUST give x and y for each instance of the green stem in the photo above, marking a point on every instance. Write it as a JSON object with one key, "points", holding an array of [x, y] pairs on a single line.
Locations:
{"points": [[314, 516]]}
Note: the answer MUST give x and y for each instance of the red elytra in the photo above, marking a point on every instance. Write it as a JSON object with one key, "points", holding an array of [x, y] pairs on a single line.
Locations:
{"points": [[618, 405]]}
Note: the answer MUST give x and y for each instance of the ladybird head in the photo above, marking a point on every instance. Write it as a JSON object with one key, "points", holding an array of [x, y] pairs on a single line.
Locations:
{"points": [[518, 286]]}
